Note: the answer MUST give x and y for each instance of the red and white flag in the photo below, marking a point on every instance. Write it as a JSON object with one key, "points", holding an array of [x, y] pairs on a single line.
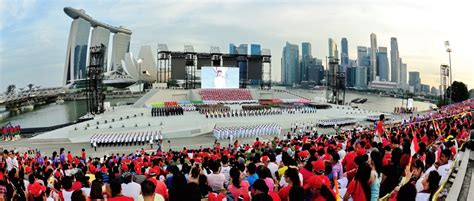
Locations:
{"points": [[414, 146]]}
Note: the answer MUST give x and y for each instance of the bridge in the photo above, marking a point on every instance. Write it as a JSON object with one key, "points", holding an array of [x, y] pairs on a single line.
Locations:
{"points": [[15, 101]]}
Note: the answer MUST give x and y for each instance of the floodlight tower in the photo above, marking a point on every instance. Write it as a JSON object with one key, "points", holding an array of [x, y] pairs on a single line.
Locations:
{"points": [[448, 50]]}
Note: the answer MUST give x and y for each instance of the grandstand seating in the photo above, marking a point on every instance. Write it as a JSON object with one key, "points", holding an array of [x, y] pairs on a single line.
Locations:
{"points": [[225, 94]]}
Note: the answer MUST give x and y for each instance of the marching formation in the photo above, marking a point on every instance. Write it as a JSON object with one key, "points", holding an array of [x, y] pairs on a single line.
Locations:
{"points": [[10, 133], [125, 139], [167, 111], [326, 123], [258, 112], [246, 131]]}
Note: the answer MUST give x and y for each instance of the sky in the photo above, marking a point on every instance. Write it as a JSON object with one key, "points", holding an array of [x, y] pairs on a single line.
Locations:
{"points": [[34, 33]]}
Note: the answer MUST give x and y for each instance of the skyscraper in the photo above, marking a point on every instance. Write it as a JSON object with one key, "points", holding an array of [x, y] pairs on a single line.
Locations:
{"points": [[121, 45], [255, 49], [243, 49], [333, 53], [403, 75], [76, 54], [394, 61], [289, 64], [414, 80], [361, 77], [306, 49], [306, 58], [373, 57], [363, 58], [382, 63], [344, 54], [232, 49], [100, 36]]}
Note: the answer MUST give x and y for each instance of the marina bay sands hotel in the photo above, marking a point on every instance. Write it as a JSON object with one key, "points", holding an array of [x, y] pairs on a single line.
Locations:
{"points": [[78, 44]]}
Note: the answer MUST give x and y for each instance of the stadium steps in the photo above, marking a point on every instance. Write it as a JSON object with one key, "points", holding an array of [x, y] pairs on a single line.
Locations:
{"points": [[141, 102], [457, 178]]}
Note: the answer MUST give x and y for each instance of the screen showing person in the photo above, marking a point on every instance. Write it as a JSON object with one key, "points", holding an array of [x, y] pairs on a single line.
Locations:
{"points": [[219, 77]]}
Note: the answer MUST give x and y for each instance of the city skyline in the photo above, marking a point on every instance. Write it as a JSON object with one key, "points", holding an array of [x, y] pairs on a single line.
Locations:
{"points": [[39, 31]]}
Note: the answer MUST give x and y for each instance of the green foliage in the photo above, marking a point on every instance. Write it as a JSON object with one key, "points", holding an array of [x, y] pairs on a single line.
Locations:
{"points": [[459, 92]]}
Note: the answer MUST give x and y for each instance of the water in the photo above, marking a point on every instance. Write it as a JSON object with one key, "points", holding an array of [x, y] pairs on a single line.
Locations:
{"points": [[374, 102], [54, 114]]}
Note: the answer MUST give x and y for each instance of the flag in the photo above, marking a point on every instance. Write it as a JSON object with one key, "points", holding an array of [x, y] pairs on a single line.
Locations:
{"points": [[414, 146]]}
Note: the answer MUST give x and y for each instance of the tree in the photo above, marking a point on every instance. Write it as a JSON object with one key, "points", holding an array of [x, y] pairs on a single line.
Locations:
{"points": [[172, 83], [30, 86], [459, 92], [11, 88], [471, 93]]}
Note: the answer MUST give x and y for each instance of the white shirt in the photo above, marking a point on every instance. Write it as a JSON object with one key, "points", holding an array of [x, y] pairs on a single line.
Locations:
{"points": [[273, 168], [131, 189], [225, 170], [9, 162], [443, 171]]}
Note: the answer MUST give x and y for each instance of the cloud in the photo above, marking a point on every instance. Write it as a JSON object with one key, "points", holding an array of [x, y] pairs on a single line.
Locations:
{"points": [[420, 26]]}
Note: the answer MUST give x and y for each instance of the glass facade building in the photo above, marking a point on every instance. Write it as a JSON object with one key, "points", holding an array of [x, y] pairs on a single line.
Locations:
{"points": [[289, 64], [77, 48], [394, 61], [255, 49], [382, 64]]}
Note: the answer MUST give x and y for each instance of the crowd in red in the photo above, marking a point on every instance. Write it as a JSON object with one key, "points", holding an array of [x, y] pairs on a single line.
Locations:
{"points": [[351, 165], [225, 94]]}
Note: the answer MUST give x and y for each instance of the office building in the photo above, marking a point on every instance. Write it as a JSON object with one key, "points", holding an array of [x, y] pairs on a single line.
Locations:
{"points": [[363, 58], [232, 49], [394, 61], [289, 64], [344, 54], [382, 64], [243, 49], [373, 57], [333, 53], [351, 76], [361, 77], [403, 75], [255, 49], [306, 58], [424, 88], [414, 81]]}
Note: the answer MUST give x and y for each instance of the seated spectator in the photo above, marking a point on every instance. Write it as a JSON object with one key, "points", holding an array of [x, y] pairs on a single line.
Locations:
{"points": [[116, 192], [78, 195], [148, 192], [430, 186], [407, 193], [237, 186], [96, 191]]}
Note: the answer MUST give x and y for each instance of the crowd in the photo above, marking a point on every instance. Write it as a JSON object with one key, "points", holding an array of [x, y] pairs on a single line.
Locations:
{"points": [[10, 132], [402, 110], [225, 94], [246, 131], [350, 165], [166, 111]]}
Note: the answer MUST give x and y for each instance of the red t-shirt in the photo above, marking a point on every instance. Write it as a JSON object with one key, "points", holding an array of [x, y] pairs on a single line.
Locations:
{"points": [[356, 191], [160, 187], [284, 193], [306, 174], [274, 196]]}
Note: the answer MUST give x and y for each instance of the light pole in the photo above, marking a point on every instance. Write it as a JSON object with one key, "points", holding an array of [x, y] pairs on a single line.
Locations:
{"points": [[140, 61], [448, 50]]}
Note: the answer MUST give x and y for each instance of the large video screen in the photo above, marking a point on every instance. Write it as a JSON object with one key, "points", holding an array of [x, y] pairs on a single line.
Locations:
{"points": [[219, 77]]}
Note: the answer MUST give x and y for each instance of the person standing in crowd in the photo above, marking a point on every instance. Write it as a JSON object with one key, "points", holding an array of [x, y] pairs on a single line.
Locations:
{"points": [[359, 188], [294, 185], [116, 192], [237, 187]]}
